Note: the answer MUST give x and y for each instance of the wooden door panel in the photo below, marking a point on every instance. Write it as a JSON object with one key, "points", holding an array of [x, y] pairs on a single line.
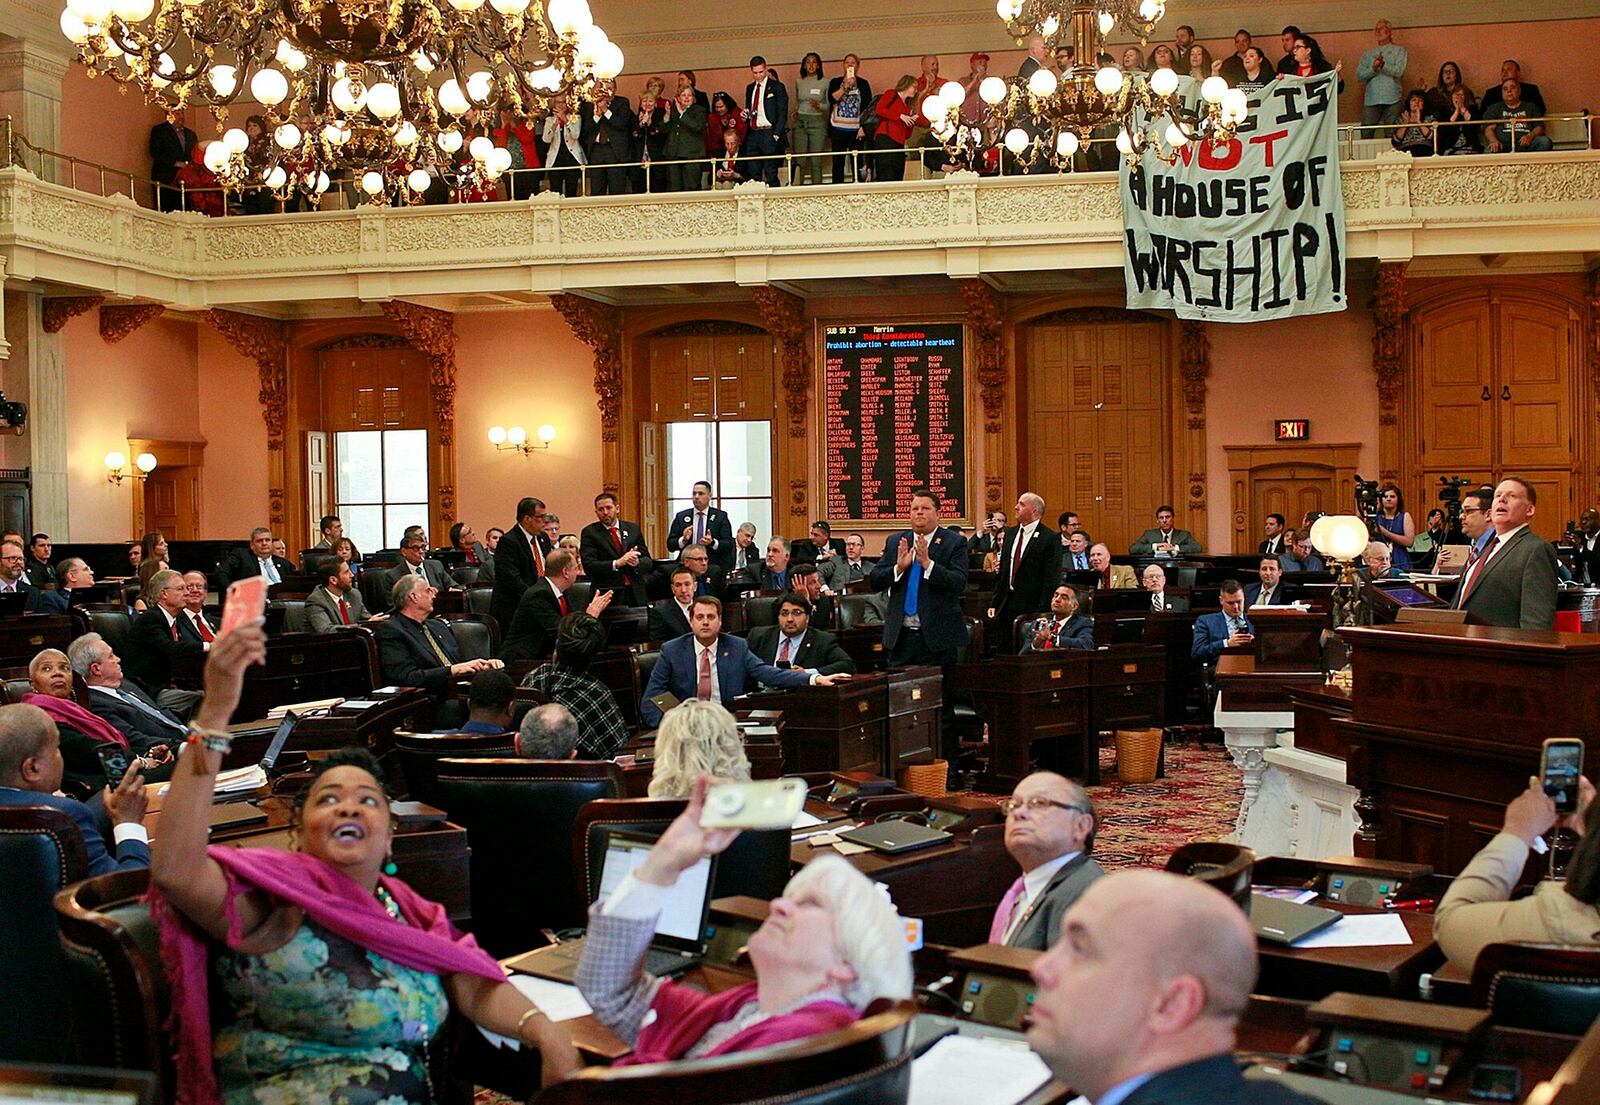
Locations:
{"points": [[1532, 400], [669, 379], [1554, 488], [1455, 370], [701, 377]]}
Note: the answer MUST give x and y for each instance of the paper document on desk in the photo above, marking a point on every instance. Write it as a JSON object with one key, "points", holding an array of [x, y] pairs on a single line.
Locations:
{"points": [[1359, 930], [241, 780], [962, 1070], [557, 1000], [804, 820]]}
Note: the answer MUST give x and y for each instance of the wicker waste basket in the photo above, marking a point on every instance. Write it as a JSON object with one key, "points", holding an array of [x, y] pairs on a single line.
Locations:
{"points": [[928, 780], [1138, 753]]}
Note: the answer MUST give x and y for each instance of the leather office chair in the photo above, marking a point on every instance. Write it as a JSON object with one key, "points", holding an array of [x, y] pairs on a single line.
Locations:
{"points": [[111, 621], [1227, 867], [1547, 987], [755, 864], [41, 851], [477, 635], [867, 1063], [114, 973], [579, 594], [853, 609], [646, 663], [760, 610], [466, 574], [516, 812], [478, 599], [374, 589], [418, 755], [618, 669], [294, 615]]}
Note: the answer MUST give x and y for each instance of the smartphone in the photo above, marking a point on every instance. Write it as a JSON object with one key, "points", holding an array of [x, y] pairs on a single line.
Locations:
{"points": [[245, 602], [765, 804], [114, 762], [1560, 765]]}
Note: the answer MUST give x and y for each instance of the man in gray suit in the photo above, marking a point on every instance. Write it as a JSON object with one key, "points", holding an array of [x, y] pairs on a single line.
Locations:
{"points": [[1513, 581], [413, 556], [1050, 827], [838, 572], [338, 600]]}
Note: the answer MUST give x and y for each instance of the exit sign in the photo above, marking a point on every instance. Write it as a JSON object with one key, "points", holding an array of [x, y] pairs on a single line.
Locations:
{"points": [[1291, 429]]}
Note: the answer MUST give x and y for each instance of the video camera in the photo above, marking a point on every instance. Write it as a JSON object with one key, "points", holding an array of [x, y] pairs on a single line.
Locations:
{"points": [[1367, 503], [1450, 496], [13, 416]]}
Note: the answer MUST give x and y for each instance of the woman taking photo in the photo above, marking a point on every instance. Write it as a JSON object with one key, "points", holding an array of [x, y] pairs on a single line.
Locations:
{"points": [[849, 98], [333, 976]]}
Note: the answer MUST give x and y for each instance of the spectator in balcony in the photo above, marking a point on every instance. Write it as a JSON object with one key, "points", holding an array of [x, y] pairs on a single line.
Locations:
{"points": [[849, 97], [651, 128], [258, 156], [1182, 41], [1132, 61], [611, 145], [171, 146], [1439, 96], [895, 118], [810, 124], [1309, 60], [685, 143], [1511, 127], [1038, 56], [1286, 64], [1162, 57], [724, 114], [1414, 134], [1459, 132], [729, 168], [1257, 73], [518, 138], [687, 79], [1199, 60], [1381, 67], [1233, 64], [202, 193], [977, 69], [766, 98], [1511, 71], [563, 150]]}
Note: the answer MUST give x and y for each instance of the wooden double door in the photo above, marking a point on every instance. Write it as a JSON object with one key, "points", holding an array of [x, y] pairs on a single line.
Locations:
{"points": [[1495, 391]]}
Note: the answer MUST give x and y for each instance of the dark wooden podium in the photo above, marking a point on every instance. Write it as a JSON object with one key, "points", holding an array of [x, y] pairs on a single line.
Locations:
{"points": [[876, 722], [1038, 698], [1446, 726]]}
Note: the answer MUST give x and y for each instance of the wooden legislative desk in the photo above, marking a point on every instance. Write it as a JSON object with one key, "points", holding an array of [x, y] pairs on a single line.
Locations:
{"points": [[371, 726], [300, 667], [1060, 700], [1446, 725], [876, 722]]}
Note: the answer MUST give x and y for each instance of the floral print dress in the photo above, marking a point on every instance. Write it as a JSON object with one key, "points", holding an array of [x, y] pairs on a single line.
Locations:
{"points": [[323, 1019]]}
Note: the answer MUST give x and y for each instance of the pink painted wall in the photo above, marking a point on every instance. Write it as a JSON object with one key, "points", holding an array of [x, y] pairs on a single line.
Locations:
{"points": [[143, 386], [234, 489], [524, 368], [102, 125], [1318, 367]]}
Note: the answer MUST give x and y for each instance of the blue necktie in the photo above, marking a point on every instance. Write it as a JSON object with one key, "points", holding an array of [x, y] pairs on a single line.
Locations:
{"points": [[699, 528], [913, 585], [271, 571]]}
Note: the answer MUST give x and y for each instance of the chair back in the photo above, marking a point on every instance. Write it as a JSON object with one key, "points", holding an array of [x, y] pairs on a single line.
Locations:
{"points": [[477, 635], [115, 977], [478, 599], [854, 609], [866, 1063], [761, 610], [41, 851], [465, 574], [646, 663], [756, 864], [519, 816], [618, 669], [112, 621], [580, 593], [1546, 987], [294, 615], [419, 754], [374, 584], [1228, 867]]}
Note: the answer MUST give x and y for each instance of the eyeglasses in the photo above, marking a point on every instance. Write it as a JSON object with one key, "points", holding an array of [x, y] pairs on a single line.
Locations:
{"points": [[1036, 804], [11, 559]]}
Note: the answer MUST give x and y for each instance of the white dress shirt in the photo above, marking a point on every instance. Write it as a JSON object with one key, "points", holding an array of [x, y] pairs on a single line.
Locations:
{"points": [[716, 684], [760, 113]]}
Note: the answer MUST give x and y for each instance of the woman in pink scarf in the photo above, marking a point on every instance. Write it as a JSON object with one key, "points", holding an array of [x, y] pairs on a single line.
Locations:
{"points": [[830, 946], [334, 975], [84, 734]]}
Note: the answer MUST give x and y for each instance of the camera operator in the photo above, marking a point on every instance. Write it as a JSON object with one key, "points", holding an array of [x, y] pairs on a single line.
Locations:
{"points": [[1425, 550]]}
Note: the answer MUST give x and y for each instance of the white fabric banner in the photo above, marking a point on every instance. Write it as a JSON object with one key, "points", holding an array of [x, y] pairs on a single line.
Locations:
{"points": [[1248, 231]]}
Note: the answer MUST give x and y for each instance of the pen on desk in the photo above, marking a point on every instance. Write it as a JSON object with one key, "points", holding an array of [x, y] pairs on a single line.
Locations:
{"points": [[1421, 905]]}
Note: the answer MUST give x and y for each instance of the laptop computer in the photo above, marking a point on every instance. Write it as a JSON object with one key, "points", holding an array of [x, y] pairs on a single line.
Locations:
{"points": [[1279, 922], [893, 837], [681, 936]]}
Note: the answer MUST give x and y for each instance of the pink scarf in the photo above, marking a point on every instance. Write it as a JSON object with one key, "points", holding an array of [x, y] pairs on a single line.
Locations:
{"points": [[427, 941], [684, 1015], [64, 711]]}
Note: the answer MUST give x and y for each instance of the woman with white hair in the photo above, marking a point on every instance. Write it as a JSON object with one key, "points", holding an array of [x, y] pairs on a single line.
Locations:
{"points": [[697, 738], [831, 945]]}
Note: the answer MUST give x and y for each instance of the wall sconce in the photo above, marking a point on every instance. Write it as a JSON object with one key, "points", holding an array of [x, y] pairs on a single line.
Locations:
{"points": [[517, 438], [116, 462]]}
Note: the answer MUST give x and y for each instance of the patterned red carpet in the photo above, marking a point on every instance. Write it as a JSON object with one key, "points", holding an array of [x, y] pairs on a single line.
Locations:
{"points": [[1141, 824]]}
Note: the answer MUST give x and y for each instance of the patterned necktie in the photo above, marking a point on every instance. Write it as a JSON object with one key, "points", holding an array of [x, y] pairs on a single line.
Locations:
{"points": [[1476, 570], [699, 527], [1007, 911], [783, 651], [538, 554], [703, 690], [270, 570], [433, 644]]}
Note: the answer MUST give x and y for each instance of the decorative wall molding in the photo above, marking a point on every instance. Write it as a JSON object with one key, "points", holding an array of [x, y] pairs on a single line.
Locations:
{"points": [[61, 309], [265, 342], [599, 326], [986, 319], [1594, 361], [1396, 209], [119, 320], [434, 333], [1194, 368], [1389, 362], [784, 315]]}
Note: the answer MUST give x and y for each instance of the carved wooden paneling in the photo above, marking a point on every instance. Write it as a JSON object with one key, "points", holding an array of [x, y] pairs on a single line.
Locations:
{"points": [[1388, 363], [59, 310], [117, 322]]}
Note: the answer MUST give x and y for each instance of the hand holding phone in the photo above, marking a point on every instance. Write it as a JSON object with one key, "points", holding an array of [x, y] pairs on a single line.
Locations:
{"points": [[246, 601], [114, 762], [763, 804], [1560, 767]]}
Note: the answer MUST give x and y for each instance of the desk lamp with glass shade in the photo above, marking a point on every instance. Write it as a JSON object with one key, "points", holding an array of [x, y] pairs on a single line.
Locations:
{"points": [[1341, 539]]}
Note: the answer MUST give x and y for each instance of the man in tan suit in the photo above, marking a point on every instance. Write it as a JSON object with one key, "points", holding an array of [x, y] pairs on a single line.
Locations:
{"points": [[1118, 577]]}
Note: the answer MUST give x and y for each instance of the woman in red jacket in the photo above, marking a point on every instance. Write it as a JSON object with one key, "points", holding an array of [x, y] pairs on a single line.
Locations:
{"points": [[518, 136], [895, 118], [724, 114]]}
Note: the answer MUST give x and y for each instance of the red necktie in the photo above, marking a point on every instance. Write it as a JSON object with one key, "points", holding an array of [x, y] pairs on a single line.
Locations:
{"points": [[174, 629], [1051, 643], [1105, 578], [1016, 555], [562, 599], [703, 691], [1476, 571], [616, 539], [538, 554], [783, 652], [344, 612], [203, 627]]}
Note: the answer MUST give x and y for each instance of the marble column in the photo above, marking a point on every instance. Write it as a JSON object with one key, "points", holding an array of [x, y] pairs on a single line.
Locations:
{"points": [[1248, 736], [30, 92], [36, 374]]}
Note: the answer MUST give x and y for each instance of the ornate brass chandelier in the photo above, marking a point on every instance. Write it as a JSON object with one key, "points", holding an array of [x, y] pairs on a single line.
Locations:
{"points": [[1047, 118], [386, 91]]}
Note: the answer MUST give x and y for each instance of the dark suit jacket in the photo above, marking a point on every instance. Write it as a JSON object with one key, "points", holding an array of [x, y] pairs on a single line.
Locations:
{"points": [[1215, 1081], [804, 552], [1587, 557], [36, 600], [667, 621], [1273, 545], [776, 101], [143, 731], [1517, 587], [40, 573], [514, 572], [1312, 563], [1211, 635], [406, 660], [632, 585], [938, 602], [532, 633], [819, 650], [1041, 924], [1280, 596], [1174, 602], [1037, 576], [130, 855], [1145, 546], [242, 564], [1076, 633], [148, 659], [759, 577], [169, 148], [717, 525], [738, 670], [611, 139]]}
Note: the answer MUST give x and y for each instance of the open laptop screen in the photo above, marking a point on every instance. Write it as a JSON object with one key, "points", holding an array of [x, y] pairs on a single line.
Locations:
{"points": [[683, 918]]}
